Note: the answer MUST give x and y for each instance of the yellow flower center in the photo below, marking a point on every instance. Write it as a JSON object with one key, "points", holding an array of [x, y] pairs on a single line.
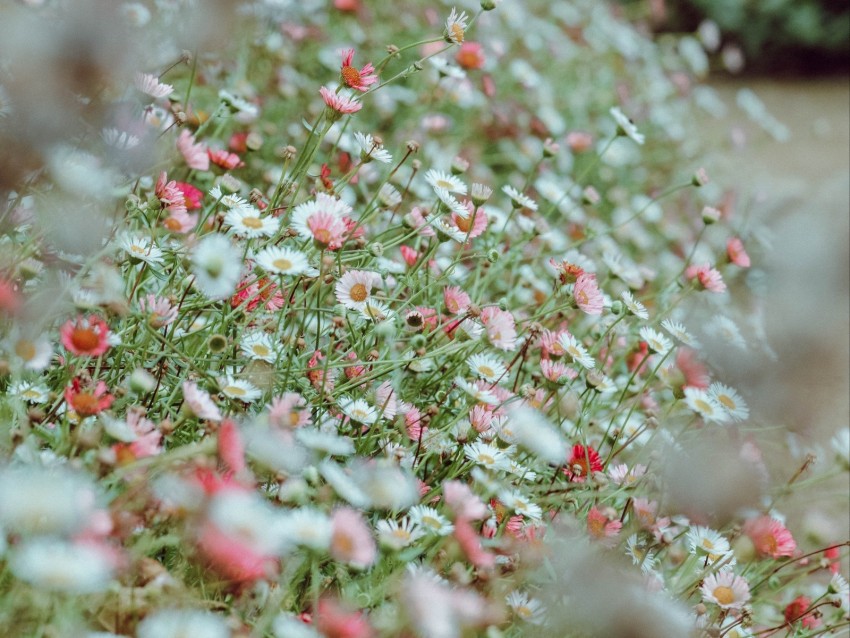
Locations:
{"points": [[726, 401], [282, 264], [456, 33], [350, 75], [358, 292], [234, 390], [723, 595], [252, 222], [260, 350], [486, 371], [25, 349]]}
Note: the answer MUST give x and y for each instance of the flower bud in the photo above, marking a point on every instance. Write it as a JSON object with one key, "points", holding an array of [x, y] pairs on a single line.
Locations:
{"points": [[700, 178], [710, 215], [141, 381]]}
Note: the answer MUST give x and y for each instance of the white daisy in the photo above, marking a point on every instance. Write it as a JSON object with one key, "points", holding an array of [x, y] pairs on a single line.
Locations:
{"points": [[451, 202], [398, 534], [388, 195], [731, 401], [258, 345], [625, 126], [519, 200], [575, 350], [486, 455], [239, 389], [370, 150], [376, 311], [704, 540], [521, 504], [308, 527], [29, 391], [636, 550], [680, 332], [217, 266], [281, 260], [150, 85], [247, 221], [455, 26], [705, 405], [141, 249], [354, 288], [358, 410], [656, 341], [724, 328], [479, 394], [32, 354], [469, 329], [174, 623], [62, 566], [446, 181], [487, 367], [634, 306], [120, 140], [430, 520], [325, 441], [528, 609]]}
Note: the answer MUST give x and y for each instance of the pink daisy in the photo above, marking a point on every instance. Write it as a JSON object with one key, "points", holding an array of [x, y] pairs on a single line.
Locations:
{"points": [[737, 254], [199, 403], [339, 104], [587, 294], [472, 225], [500, 326], [351, 538], [556, 371], [159, 310], [225, 159], [86, 400], [599, 526], [456, 300], [85, 337], [358, 80], [708, 277], [288, 411], [770, 537], [195, 154]]}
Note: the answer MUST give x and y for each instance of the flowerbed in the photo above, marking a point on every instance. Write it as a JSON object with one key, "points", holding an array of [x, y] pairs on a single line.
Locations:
{"points": [[379, 321]]}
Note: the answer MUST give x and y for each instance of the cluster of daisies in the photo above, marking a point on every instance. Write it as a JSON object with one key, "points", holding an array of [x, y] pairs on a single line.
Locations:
{"points": [[361, 373]]}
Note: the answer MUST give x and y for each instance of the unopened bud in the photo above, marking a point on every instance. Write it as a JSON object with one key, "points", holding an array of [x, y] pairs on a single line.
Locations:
{"points": [[700, 178], [710, 215], [141, 381]]}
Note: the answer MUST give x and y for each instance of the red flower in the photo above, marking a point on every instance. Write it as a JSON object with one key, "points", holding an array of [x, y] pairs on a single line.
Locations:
{"points": [[87, 337], [798, 611], [358, 80], [225, 159], [85, 400], [583, 462], [334, 621], [193, 196], [470, 55]]}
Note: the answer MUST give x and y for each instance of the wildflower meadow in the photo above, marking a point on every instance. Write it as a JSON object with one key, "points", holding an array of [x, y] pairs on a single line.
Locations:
{"points": [[355, 319]]}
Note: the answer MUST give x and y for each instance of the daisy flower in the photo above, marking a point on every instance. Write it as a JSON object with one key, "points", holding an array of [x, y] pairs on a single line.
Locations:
{"points": [[246, 221], [119, 140], [389, 196], [726, 590], [29, 391], [239, 389], [701, 402], [217, 266], [736, 252], [456, 26], [656, 341], [636, 550], [528, 609], [500, 327], [371, 150], [583, 462], [724, 328], [518, 200], [338, 103], [451, 202], [398, 534], [587, 295], [279, 260], [354, 288], [476, 391], [358, 410], [32, 354], [81, 567], [709, 278], [487, 367], [521, 505], [158, 310], [85, 337], [289, 410], [150, 85], [706, 541], [634, 306], [358, 80], [376, 311], [472, 223], [446, 181], [321, 220], [351, 538], [839, 590], [141, 249], [195, 154], [430, 520], [199, 402], [731, 401], [770, 537], [258, 345], [87, 398], [625, 127], [486, 455], [308, 527], [680, 332], [456, 300], [575, 350]]}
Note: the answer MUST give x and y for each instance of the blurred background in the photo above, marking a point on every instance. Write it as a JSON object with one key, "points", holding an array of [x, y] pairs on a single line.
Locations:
{"points": [[781, 69]]}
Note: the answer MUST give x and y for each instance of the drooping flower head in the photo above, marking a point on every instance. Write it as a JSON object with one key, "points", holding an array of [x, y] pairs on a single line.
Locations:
{"points": [[456, 26], [339, 104], [358, 80]]}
